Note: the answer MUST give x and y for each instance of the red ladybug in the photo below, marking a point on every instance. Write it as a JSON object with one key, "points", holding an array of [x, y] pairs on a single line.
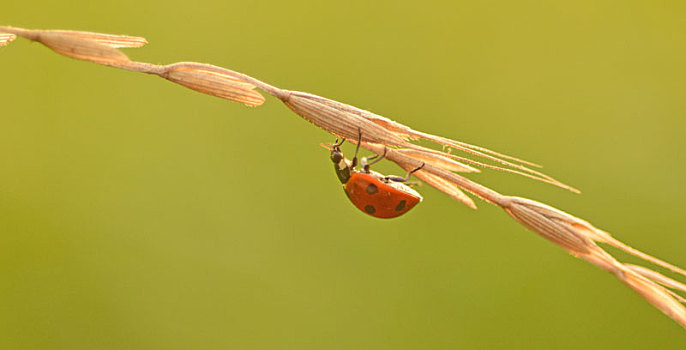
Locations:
{"points": [[375, 194]]}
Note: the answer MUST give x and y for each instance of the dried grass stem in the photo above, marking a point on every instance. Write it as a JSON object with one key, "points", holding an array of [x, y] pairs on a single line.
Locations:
{"points": [[379, 135]]}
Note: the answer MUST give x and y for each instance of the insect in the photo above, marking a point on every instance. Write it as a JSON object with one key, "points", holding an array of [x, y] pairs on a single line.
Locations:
{"points": [[375, 194]]}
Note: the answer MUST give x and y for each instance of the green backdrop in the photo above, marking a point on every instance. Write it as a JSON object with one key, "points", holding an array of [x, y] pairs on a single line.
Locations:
{"points": [[136, 214]]}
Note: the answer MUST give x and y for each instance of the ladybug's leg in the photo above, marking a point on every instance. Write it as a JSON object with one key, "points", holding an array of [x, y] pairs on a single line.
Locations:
{"points": [[357, 148], [383, 155], [402, 179], [376, 159], [415, 170]]}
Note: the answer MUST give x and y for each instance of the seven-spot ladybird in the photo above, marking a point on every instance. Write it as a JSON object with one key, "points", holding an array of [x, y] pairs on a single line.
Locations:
{"points": [[375, 194]]}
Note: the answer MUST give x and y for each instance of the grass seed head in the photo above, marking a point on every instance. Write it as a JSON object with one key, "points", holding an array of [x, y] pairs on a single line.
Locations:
{"points": [[384, 136]]}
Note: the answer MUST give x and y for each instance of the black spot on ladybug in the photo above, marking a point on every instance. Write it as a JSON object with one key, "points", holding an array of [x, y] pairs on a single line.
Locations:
{"points": [[371, 189], [400, 205], [370, 209]]}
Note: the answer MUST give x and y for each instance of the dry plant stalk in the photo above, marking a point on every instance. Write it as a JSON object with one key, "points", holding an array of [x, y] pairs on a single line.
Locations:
{"points": [[572, 234]]}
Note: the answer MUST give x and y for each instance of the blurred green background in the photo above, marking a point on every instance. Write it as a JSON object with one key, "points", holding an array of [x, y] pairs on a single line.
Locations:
{"points": [[137, 214]]}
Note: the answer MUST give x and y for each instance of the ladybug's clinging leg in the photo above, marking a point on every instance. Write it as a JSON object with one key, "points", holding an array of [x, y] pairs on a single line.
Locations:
{"points": [[357, 148], [395, 178], [376, 159]]}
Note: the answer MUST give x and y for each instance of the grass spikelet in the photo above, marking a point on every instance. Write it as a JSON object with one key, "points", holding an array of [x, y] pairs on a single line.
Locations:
{"points": [[444, 186], [212, 82], [82, 49], [439, 161], [111, 40], [657, 295], [68, 44], [6, 38], [548, 223]]}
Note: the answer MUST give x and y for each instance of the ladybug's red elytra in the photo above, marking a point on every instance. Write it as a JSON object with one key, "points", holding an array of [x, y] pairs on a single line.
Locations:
{"points": [[375, 194]]}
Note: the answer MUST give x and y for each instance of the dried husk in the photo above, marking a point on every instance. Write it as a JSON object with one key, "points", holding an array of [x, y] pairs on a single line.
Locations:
{"points": [[657, 277], [111, 40], [444, 186], [6, 38], [211, 82], [80, 48], [340, 120], [656, 295], [439, 161], [553, 225], [578, 237]]}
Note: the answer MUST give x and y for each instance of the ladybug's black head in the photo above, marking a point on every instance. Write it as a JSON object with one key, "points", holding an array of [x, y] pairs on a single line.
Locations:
{"points": [[340, 164], [336, 154]]}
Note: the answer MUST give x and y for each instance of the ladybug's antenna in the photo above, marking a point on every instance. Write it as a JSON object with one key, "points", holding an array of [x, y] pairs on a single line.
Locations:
{"points": [[337, 144]]}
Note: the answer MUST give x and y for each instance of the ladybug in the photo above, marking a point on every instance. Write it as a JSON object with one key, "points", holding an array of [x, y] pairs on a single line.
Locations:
{"points": [[375, 194]]}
